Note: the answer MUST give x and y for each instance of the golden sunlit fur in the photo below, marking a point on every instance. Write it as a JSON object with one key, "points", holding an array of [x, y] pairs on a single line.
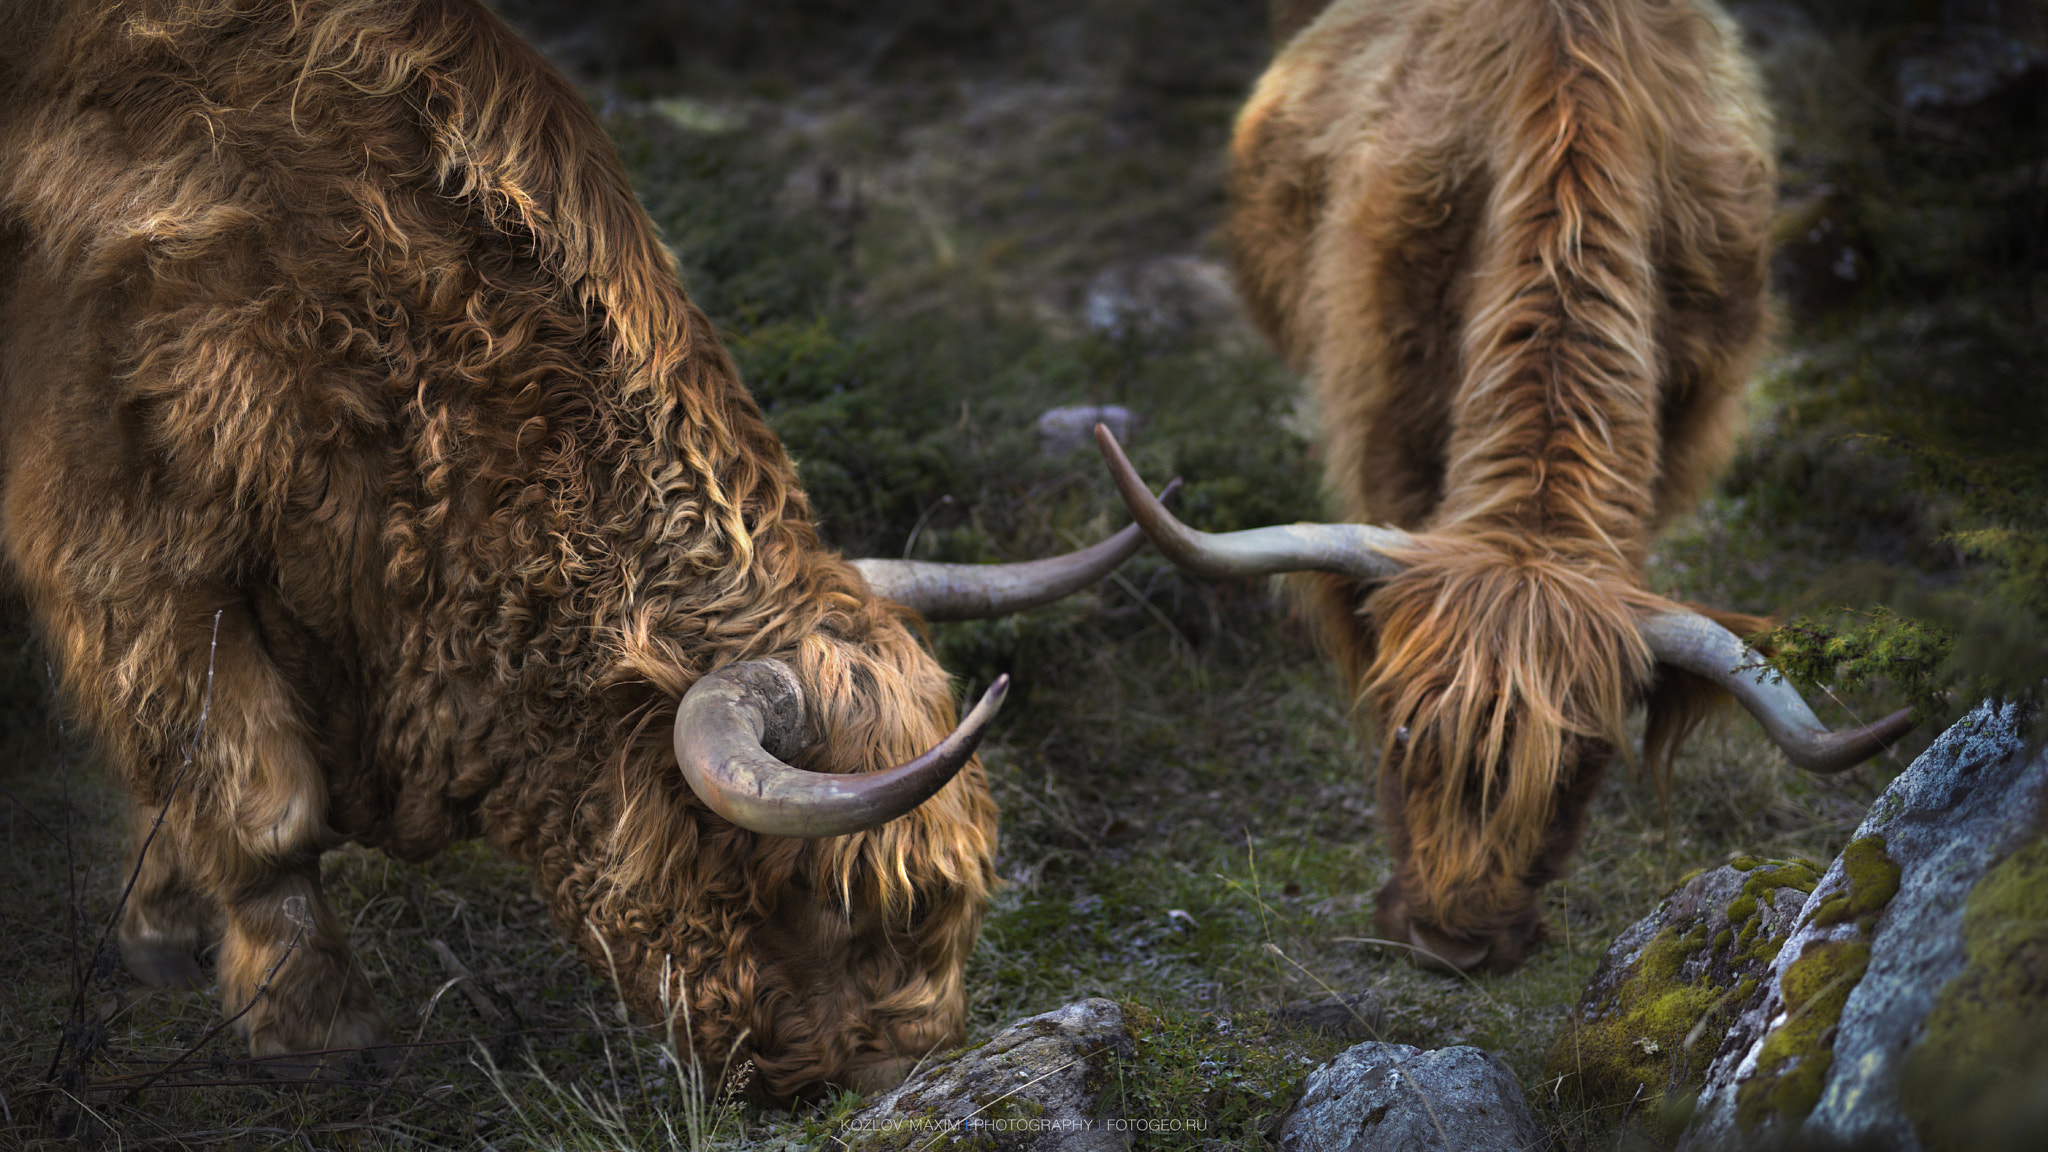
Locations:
{"points": [[337, 321], [1517, 247]]}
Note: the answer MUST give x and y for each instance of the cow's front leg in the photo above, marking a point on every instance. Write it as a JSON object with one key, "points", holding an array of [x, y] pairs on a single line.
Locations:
{"points": [[287, 978], [170, 916], [209, 735]]}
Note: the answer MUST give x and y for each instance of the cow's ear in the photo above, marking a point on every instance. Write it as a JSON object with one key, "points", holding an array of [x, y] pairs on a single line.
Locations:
{"points": [[1680, 701]]}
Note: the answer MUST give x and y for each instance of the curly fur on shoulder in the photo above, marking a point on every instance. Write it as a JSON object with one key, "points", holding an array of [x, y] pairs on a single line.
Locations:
{"points": [[1517, 247]]}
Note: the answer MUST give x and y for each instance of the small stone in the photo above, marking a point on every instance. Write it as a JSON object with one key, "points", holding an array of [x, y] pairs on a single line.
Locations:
{"points": [[1063, 430], [1379, 1097], [1345, 1016], [1159, 296], [1033, 1087]]}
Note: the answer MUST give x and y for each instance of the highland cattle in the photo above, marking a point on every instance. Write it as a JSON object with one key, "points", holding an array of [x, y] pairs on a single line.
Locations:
{"points": [[369, 477], [1518, 250]]}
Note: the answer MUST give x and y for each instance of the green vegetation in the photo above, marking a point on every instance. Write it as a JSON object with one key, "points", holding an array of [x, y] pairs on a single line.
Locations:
{"points": [[1644, 1035], [1793, 1063], [1972, 1081], [902, 216], [1871, 880], [1902, 445]]}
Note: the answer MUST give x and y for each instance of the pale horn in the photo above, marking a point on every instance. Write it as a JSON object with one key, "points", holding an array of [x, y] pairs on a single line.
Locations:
{"points": [[1356, 550], [1690, 641], [736, 724], [979, 591], [1683, 639]]}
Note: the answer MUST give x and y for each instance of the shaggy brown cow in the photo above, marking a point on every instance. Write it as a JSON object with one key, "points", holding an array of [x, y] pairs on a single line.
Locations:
{"points": [[1517, 247], [371, 478]]}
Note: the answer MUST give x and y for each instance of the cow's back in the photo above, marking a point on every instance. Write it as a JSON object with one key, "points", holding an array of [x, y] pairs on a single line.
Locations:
{"points": [[331, 305], [1385, 170]]}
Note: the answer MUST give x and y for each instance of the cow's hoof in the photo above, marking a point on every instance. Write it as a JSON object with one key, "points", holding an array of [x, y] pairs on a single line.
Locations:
{"points": [[285, 1031], [349, 1048], [339, 1062], [162, 965]]}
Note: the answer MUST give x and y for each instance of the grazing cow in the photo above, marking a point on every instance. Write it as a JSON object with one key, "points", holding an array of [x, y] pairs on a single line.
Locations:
{"points": [[370, 477], [1517, 247]]}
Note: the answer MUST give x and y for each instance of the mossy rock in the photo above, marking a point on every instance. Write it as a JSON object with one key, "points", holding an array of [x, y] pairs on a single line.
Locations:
{"points": [[1978, 1078], [1657, 1010], [1236, 1074], [1909, 1007], [1035, 1085]]}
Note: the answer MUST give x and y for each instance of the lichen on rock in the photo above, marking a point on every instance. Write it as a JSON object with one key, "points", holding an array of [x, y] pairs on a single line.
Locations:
{"points": [[1796, 1053], [1034, 1087], [1979, 1072], [1792, 1064], [1380, 1097], [1657, 1009], [1873, 880], [1908, 1009]]}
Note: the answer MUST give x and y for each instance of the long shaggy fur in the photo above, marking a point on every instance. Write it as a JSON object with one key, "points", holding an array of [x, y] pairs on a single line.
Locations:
{"points": [[1517, 247], [338, 319]]}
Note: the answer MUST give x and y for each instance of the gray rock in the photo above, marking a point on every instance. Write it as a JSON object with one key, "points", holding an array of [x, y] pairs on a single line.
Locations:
{"points": [[1658, 1008], [1345, 1016], [1880, 1006], [1034, 1086], [1961, 66], [1163, 295], [1379, 1097], [1063, 430]]}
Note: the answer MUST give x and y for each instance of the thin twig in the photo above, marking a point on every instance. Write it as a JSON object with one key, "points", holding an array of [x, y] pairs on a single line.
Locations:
{"points": [[291, 946], [81, 981], [472, 990], [31, 814]]}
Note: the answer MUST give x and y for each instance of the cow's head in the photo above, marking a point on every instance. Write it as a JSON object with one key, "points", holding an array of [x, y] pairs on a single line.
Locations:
{"points": [[808, 901], [1499, 676]]}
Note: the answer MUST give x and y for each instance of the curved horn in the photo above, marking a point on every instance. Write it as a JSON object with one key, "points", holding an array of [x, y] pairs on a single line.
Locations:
{"points": [[1697, 644], [735, 725], [978, 591], [1355, 550]]}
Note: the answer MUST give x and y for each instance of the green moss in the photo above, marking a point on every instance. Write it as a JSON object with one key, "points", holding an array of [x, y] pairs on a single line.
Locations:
{"points": [[1751, 943], [1632, 1048], [1873, 879], [1750, 928], [1796, 1054], [1633, 1045], [1984, 1050], [1227, 1069]]}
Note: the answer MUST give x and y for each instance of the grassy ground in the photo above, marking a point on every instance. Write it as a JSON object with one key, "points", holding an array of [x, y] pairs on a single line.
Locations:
{"points": [[920, 225]]}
